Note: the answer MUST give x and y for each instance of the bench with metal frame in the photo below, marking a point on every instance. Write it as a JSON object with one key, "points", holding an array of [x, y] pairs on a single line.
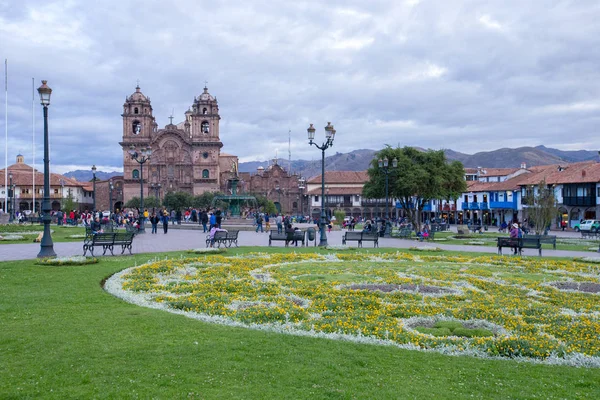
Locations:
{"points": [[361, 237], [287, 237], [519, 244], [108, 241], [225, 238], [547, 239]]}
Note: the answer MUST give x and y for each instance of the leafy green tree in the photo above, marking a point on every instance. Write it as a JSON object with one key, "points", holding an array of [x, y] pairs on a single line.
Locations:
{"points": [[540, 203], [339, 216], [134, 202], [178, 200], [69, 202], [421, 176], [265, 205], [203, 201], [151, 202]]}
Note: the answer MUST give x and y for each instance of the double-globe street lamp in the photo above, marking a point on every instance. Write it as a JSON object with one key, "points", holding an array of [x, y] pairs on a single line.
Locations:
{"points": [[329, 136], [94, 189], [384, 167], [141, 157], [46, 246]]}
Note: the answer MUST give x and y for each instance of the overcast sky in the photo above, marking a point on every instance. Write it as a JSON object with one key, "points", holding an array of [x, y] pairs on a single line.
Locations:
{"points": [[468, 75]]}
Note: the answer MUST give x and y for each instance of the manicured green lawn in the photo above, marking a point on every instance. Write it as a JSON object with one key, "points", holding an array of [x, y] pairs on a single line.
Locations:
{"points": [[62, 336], [28, 232]]}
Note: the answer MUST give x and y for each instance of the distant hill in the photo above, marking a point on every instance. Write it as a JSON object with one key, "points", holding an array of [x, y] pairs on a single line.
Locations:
{"points": [[83, 175], [573, 155], [359, 160]]}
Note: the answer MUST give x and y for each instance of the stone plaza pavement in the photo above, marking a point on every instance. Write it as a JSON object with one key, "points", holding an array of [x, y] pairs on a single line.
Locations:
{"points": [[186, 239]]}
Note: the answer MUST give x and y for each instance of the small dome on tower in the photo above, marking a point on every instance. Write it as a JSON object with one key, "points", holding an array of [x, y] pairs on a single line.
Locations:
{"points": [[137, 95], [206, 96]]}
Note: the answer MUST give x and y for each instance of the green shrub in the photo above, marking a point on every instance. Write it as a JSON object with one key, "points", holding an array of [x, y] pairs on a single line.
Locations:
{"points": [[434, 331], [469, 333], [451, 325]]}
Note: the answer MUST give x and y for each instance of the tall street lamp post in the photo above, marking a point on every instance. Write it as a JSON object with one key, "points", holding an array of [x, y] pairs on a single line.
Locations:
{"points": [[141, 157], [46, 246], [384, 166], [11, 193], [110, 199], [329, 136], [301, 186], [94, 190]]}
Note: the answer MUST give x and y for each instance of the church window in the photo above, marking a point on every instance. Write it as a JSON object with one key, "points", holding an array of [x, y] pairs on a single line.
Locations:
{"points": [[136, 111], [135, 174], [205, 173], [136, 127], [205, 154], [204, 111], [171, 171], [204, 127]]}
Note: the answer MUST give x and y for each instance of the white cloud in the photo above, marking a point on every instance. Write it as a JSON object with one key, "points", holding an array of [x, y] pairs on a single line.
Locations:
{"points": [[490, 23], [571, 107]]}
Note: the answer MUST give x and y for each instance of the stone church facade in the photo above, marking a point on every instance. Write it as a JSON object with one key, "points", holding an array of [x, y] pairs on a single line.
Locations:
{"points": [[185, 157]]}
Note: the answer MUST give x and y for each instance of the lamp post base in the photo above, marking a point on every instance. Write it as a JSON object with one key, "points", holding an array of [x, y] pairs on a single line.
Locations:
{"points": [[141, 225], [46, 245]]}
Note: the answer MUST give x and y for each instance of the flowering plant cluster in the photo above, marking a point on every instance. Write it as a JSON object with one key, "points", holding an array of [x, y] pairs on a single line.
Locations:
{"points": [[533, 309], [71, 260]]}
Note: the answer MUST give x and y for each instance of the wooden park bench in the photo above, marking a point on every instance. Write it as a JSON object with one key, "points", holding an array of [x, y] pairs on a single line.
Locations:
{"points": [[296, 236], [548, 239], [225, 238], [520, 244], [361, 237], [108, 241]]}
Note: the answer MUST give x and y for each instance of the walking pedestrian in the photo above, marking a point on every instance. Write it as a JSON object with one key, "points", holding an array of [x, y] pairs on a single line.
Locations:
{"points": [[154, 221], [259, 223], [165, 221]]}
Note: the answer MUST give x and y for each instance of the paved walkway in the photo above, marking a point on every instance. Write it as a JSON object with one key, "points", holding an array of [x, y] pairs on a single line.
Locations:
{"points": [[183, 239]]}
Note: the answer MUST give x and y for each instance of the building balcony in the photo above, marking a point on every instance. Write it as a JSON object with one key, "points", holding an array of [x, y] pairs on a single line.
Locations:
{"points": [[376, 203], [585, 201], [475, 205], [503, 205], [338, 205], [29, 196], [449, 207]]}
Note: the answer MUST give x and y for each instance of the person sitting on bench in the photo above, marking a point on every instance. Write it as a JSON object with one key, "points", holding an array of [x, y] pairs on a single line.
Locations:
{"points": [[214, 229], [96, 226], [289, 234]]}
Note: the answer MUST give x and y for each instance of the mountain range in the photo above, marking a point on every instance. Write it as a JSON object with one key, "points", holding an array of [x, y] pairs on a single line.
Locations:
{"points": [[358, 160]]}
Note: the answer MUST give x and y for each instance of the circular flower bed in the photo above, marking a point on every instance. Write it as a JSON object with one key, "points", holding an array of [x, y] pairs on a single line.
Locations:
{"points": [[483, 306]]}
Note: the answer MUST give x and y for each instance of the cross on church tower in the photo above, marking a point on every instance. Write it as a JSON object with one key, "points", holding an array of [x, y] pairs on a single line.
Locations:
{"points": [[171, 118]]}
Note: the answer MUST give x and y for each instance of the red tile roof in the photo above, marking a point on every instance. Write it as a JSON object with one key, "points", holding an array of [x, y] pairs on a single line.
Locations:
{"points": [[342, 177], [23, 176]]}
